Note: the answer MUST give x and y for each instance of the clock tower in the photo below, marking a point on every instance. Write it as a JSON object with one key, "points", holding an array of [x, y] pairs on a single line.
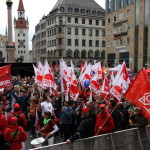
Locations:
{"points": [[21, 26]]}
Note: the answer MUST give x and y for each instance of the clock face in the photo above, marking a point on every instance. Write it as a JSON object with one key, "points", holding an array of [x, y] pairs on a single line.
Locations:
{"points": [[21, 43]]}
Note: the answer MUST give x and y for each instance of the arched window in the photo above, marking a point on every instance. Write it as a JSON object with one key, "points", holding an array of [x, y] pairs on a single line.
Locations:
{"points": [[103, 54], [69, 53], [90, 54], [97, 54], [48, 54], [83, 54], [76, 53]]}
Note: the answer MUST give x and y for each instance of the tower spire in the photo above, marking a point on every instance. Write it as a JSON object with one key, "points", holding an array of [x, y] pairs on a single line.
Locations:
{"points": [[21, 6]]}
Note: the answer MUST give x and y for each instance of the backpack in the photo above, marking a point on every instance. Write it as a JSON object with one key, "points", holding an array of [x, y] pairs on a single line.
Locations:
{"points": [[20, 122]]}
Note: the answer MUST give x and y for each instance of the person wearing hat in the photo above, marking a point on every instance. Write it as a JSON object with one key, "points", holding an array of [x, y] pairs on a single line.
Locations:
{"points": [[85, 128], [66, 119], [17, 113], [104, 121], [138, 120], [2, 129], [15, 134]]}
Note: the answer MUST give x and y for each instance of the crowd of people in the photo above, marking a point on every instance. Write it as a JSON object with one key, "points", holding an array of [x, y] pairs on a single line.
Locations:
{"points": [[46, 113]]}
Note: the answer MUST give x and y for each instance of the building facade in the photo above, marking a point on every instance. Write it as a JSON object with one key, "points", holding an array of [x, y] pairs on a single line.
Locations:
{"points": [[3, 52], [127, 30], [72, 30], [21, 27]]}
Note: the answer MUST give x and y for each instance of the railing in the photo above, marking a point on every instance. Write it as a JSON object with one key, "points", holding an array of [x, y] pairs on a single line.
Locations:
{"points": [[131, 139]]}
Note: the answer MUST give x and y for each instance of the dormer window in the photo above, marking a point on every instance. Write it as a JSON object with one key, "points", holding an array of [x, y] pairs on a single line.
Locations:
{"points": [[88, 11], [62, 9], [82, 11], [93, 12], [69, 9], [99, 13], [76, 10]]}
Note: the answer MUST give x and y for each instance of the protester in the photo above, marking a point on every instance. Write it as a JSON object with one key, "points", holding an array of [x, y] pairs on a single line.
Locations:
{"points": [[104, 121], [17, 113], [50, 128], [66, 119], [15, 134], [85, 128], [2, 122], [138, 119]]}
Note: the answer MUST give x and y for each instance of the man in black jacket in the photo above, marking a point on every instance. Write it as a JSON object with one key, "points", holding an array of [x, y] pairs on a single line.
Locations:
{"points": [[85, 128]]}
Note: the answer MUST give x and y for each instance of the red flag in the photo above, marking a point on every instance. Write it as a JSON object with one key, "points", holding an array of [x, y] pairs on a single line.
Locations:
{"points": [[139, 92], [105, 88], [5, 76], [94, 84]]}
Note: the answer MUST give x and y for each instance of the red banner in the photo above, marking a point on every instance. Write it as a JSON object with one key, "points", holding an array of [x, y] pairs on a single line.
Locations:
{"points": [[5, 76], [139, 93]]}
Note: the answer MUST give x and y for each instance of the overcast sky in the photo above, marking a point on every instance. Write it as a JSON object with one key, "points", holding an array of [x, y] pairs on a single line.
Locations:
{"points": [[34, 10]]}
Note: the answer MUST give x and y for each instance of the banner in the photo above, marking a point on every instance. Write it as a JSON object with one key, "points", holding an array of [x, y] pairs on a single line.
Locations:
{"points": [[5, 76], [139, 93]]}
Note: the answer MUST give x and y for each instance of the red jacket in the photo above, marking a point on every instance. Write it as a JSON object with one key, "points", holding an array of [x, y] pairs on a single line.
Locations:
{"points": [[22, 116], [21, 136], [2, 123], [107, 127]]}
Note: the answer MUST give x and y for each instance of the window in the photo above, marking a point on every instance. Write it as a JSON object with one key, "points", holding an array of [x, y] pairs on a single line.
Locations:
{"points": [[121, 42], [121, 16], [88, 11], [115, 18], [18, 34], [24, 52], [108, 21], [82, 11], [108, 32], [83, 32], [83, 21], [108, 44], [103, 23], [59, 30], [69, 19], [24, 46], [62, 9], [18, 52], [59, 41], [103, 43], [128, 13], [90, 43], [114, 43], [60, 20], [69, 31], [90, 32], [76, 31], [18, 46], [128, 26], [114, 30], [24, 34], [128, 40], [97, 33], [69, 9], [103, 33], [76, 42], [83, 43], [76, 20], [90, 21], [120, 28], [69, 42], [97, 43], [97, 22], [121, 3], [20, 22], [76, 10]]}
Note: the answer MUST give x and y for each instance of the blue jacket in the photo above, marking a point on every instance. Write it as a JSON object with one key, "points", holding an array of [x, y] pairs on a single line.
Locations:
{"points": [[22, 101], [66, 116]]}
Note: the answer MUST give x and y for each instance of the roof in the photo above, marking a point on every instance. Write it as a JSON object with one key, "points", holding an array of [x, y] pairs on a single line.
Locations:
{"points": [[21, 6], [84, 4], [21, 23]]}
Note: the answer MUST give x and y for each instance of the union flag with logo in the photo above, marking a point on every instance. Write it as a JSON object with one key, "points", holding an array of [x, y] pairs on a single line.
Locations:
{"points": [[139, 92], [5, 76]]}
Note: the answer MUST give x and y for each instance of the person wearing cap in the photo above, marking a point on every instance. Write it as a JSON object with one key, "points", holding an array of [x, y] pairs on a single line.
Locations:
{"points": [[17, 113], [85, 128], [18, 132], [138, 119], [2, 129], [66, 119], [104, 121]]}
